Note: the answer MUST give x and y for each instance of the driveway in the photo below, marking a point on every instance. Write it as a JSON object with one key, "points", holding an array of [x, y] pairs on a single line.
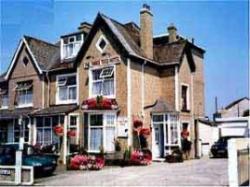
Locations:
{"points": [[202, 172]]}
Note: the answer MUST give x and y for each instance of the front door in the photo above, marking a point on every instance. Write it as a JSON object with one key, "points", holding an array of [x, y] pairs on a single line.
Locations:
{"points": [[158, 141]]}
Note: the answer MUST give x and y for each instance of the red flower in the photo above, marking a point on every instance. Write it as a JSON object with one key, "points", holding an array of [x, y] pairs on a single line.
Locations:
{"points": [[138, 123], [145, 131], [71, 133], [58, 130], [99, 103]]}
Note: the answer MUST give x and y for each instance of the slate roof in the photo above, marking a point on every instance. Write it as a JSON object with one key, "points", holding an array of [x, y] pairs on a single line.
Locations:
{"points": [[235, 102], [55, 110], [46, 54], [161, 106], [11, 114]]}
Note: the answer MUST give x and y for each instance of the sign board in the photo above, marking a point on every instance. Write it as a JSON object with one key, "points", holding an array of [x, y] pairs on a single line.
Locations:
{"points": [[122, 127]]}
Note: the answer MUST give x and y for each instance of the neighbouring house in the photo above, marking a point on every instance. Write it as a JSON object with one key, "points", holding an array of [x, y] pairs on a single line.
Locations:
{"points": [[238, 108], [97, 82]]}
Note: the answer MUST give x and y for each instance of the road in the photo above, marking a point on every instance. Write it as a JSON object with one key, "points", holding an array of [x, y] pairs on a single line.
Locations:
{"points": [[201, 172]]}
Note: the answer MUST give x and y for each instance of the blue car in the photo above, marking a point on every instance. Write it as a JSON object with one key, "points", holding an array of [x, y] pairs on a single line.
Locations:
{"points": [[43, 164]]}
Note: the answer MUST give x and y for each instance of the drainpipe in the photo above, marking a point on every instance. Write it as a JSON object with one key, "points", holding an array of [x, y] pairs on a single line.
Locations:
{"points": [[48, 90], [129, 108], [143, 88]]}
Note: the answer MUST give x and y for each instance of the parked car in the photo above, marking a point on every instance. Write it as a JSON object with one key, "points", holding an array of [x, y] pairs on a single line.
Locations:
{"points": [[44, 164], [219, 148]]}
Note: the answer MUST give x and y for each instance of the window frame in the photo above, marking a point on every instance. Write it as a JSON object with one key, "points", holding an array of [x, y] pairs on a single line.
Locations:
{"points": [[4, 97], [75, 42], [67, 101], [26, 93], [91, 81], [103, 127], [102, 37], [187, 109]]}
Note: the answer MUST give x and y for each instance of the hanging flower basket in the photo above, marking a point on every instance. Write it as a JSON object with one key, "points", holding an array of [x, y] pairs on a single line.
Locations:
{"points": [[71, 133], [100, 103], [145, 132], [58, 130]]}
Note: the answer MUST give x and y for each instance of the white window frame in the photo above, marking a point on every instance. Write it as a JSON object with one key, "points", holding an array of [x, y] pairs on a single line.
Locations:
{"points": [[43, 129], [5, 96], [91, 81], [77, 127], [68, 101], [13, 129], [64, 46], [188, 96], [25, 104], [102, 37], [104, 125], [167, 141]]}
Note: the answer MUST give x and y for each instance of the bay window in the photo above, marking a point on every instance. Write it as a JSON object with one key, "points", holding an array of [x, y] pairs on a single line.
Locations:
{"points": [[44, 127], [102, 132], [24, 94], [102, 82], [4, 99], [170, 127], [66, 89]]}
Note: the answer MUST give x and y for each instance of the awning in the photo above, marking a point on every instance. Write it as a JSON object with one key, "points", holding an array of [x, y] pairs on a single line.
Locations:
{"points": [[16, 113], [55, 110], [161, 106]]}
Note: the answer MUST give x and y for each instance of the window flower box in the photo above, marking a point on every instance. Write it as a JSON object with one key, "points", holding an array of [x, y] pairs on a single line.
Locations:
{"points": [[100, 103]]}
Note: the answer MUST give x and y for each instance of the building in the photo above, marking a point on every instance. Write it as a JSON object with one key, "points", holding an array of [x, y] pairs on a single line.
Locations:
{"points": [[156, 79]]}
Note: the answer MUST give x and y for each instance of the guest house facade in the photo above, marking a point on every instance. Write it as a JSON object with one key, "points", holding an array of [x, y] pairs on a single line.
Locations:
{"points": [[96, 82]]}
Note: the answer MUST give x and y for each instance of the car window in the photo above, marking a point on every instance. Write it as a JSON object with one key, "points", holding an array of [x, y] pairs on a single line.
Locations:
{"points": [[9, 151]]}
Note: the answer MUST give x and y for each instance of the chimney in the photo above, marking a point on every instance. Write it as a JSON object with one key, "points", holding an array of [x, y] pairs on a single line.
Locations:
{"points": [[146, 33], [85, 27], [172, 33]]}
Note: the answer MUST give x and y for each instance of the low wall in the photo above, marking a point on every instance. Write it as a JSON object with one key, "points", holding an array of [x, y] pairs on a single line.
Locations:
{"points": [[238, 161]]}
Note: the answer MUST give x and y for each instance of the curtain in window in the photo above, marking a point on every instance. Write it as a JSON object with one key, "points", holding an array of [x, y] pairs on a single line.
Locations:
{"points": [[110, 136], [39, 136], [10, 133], [97, 88], [47, 136], [72, 93], [108, 87], [63, 93], [95, 139]]}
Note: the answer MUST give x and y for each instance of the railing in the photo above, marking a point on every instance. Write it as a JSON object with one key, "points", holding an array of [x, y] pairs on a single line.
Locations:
{"points": [[243, 166]]}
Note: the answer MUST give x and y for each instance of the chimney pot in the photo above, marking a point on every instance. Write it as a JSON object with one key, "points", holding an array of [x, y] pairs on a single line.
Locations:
{"points": [[172, 33]]}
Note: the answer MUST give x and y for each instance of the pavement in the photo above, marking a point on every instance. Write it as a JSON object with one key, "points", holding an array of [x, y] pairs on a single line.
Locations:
{"points": [[198, 172]]}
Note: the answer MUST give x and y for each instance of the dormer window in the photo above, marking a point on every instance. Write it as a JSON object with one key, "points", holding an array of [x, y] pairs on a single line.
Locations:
{"points": [[71, 45], [101, 44]]}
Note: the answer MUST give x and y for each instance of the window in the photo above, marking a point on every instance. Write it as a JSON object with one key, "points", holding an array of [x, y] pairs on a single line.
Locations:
{"points": [[4, 99], [45, 133], [73, 141], [102, 132], [66, 89], [102, 82], [170, 126], [18, 129], [25, 61], [101, 44], [185, 97], [71, 45], [24, 94], [3, 133]]}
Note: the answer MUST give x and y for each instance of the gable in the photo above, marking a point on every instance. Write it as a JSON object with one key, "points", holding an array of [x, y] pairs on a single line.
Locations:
{"points": [[21, 69], [22, 50]]}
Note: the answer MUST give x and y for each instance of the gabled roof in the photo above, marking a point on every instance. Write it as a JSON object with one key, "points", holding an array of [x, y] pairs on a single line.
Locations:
{"points": [[128, 35], [235, 102], [43, 54]]}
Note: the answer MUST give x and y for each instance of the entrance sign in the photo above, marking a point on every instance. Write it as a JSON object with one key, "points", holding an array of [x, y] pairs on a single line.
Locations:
{"points": [[122, 127]]}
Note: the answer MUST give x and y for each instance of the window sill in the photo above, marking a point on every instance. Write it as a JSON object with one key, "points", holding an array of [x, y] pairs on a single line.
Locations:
{"points": [[66, 102], [104, 96], [185, 110], [24, 106], [4, 108]]}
